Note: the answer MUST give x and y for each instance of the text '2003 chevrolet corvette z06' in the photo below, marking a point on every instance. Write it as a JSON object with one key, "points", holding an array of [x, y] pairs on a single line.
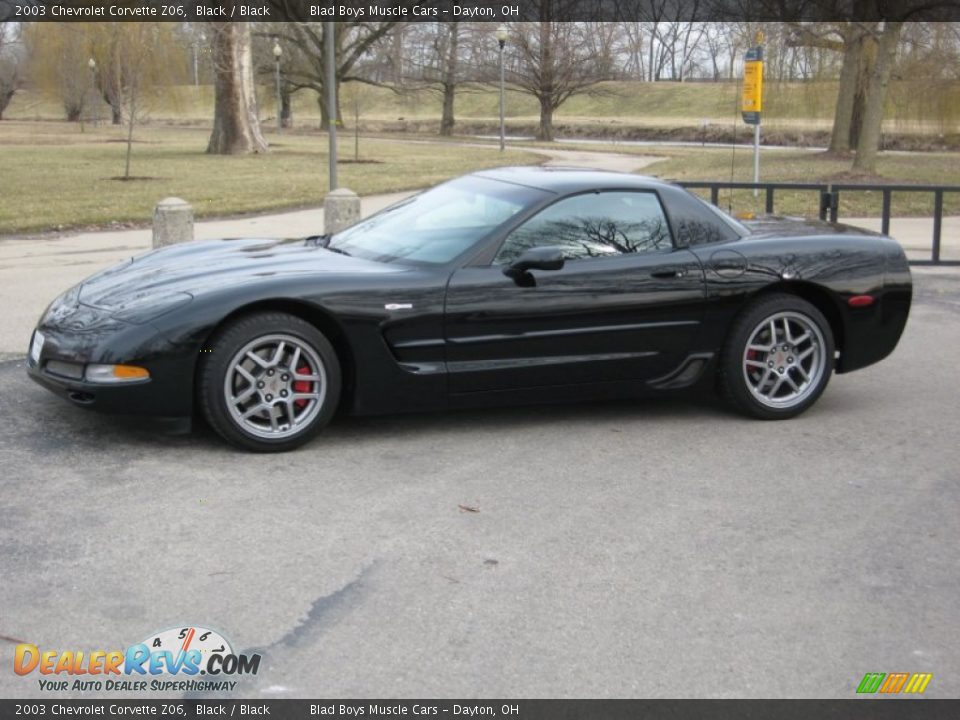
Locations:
{"points": [[505, 286]]}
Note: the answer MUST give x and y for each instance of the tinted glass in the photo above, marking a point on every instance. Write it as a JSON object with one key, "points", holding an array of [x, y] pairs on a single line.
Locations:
{"points": [[593, 225], [437, 225]]}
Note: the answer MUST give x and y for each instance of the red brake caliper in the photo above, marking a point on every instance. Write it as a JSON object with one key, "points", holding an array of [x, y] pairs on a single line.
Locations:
{"points": [[302, 386], [751, 355]]}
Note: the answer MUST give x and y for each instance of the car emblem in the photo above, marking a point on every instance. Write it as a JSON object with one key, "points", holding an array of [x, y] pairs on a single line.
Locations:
{"points": [[398, 306]]}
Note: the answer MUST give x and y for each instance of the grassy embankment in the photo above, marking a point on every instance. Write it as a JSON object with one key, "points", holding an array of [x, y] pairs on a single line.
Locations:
{"points": [[793, 111], [52, 176]]}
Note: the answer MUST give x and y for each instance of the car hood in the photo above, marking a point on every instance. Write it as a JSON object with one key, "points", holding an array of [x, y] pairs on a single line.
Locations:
{"points": [[191, 268]]}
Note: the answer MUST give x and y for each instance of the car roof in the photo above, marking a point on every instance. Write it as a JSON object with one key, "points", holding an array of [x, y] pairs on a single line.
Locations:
{"points": [[565, 180]]}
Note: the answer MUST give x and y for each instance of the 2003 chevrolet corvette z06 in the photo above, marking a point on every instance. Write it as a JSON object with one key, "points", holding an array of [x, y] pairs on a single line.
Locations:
{"points": [[505, 286]]}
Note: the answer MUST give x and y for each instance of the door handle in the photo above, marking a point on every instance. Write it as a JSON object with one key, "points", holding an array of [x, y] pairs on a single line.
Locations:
{"points": [[668, 273]]}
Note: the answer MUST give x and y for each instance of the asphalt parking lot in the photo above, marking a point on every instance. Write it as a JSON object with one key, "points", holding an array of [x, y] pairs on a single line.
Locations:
{"points": [[662, 549]]}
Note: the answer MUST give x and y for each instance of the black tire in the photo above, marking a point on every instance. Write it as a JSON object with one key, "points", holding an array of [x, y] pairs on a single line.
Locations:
{"points": [[741, 368], [220, 358]]}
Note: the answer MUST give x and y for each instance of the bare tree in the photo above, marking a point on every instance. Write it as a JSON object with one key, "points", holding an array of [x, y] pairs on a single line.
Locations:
{"points": [[11, 63], [60, 52], [356, 46], [555, 63], [448, 79], [142, 52]]}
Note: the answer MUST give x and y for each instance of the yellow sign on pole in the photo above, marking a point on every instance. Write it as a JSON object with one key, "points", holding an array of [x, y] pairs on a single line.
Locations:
{"points": [[751, 100]]}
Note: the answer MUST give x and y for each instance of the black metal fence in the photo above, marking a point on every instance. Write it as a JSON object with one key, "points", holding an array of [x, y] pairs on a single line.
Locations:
{"points": [[829, 202]]}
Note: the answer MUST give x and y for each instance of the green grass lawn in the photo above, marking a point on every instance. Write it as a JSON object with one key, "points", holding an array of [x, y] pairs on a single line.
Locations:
{"points": [[55, 177]]}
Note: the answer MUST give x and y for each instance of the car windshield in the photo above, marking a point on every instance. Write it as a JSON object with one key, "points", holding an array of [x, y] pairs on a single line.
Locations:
{"points": [[436, 226]]}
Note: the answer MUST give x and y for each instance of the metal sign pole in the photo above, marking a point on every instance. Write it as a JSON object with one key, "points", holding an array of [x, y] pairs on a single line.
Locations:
{"points": [[330, 80], [751, 102], [756, 157]]}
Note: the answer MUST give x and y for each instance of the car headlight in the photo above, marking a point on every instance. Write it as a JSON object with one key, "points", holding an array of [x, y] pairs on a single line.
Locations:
{"points": [[114, 374]]}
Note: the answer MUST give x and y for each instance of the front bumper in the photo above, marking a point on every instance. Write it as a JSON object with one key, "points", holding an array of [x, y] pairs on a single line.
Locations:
{"points": [[168, 392], [123, 399]]}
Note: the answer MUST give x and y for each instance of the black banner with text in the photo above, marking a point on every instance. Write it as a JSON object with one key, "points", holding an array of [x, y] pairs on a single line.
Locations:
{"points": [[477, 11], [511, 709]]}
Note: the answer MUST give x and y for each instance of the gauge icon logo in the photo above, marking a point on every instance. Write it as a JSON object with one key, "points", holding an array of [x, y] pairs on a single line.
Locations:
{"points": [[184, 639]]}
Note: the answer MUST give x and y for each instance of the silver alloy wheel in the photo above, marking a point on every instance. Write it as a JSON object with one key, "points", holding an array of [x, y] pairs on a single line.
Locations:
{"points": [[784, 361], [275, 386]]}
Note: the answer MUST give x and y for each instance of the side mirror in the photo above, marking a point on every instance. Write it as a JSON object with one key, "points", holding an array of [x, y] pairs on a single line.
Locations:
{"points": [[538, 258]]}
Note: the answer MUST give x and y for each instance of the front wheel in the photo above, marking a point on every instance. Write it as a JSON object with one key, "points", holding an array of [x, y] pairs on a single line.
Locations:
{"points": [[778, 358], [269, 382]]}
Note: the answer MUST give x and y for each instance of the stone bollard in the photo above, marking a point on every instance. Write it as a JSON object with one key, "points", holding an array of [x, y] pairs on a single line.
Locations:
{"points": [[172, 222], [341, 209]]}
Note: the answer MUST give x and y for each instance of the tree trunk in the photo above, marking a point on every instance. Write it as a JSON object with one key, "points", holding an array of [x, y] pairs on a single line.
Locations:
{"points": [[545, 131], [450, 82], [116, 115], [864, 68], [73, 112], [859, 55], [5, 97], [447, 119], [132, 120], [236, 128], [286, 108], [876, 96], [843, 115], [546, 88], [324, 113]]}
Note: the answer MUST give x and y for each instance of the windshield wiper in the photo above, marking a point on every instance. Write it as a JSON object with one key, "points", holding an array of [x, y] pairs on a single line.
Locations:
{"points": [[324, 242]]}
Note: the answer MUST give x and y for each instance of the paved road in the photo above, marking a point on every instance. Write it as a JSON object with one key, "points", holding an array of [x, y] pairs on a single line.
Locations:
{"points": [[657, 549]]}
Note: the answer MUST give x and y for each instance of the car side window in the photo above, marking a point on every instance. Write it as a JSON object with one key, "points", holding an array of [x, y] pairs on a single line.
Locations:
{"points": [[593, 225]]}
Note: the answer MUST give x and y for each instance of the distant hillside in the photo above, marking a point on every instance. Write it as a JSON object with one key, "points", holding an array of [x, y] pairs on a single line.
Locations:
{"points": [[799, 107]]}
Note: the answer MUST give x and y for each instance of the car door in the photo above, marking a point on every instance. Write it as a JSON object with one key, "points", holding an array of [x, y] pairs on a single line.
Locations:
{"points": [[626, 305]]}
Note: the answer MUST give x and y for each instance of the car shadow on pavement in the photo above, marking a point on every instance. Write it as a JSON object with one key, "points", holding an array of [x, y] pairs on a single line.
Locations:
{"points": [[55, 424]]}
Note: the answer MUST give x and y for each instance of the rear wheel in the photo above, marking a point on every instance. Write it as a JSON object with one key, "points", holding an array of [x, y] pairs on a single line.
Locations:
{"points": [[270, 382], [778, 358]]}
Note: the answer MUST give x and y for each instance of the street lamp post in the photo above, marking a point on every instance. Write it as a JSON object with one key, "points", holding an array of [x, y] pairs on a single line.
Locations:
{"points": [[92, 64], [196, 63], [330, 87], [277, 52], [502, 41]]}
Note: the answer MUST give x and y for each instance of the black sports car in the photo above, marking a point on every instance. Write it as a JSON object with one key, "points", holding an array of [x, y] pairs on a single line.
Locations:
{"points": [[505, 286]]}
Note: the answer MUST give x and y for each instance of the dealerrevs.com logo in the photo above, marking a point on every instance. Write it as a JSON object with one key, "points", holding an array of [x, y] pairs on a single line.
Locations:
{"points": [[170, 661]]}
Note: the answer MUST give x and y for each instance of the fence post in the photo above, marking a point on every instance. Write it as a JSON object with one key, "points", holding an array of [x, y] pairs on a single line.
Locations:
{"points": [[885, 213], [937, 224], [172, 222]]}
